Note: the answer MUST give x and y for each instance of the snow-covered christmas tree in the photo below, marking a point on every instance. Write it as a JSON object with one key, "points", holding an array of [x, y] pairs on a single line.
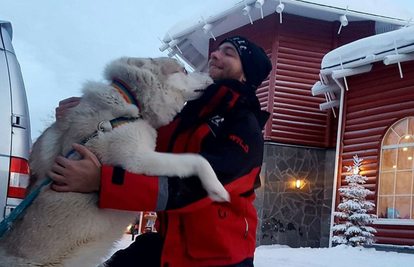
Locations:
{"points": [[353, 218]]}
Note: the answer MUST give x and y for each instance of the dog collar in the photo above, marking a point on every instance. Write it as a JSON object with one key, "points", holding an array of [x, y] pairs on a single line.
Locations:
{"points": [[104, 126], [126, 93]]}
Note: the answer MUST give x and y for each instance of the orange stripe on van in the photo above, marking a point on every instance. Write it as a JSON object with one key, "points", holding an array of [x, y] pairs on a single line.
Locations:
{"points": [[19, 165], [16, 192]]}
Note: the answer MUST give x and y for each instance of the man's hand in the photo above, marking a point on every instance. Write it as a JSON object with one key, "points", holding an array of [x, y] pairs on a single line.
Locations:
{"points": [[83, 176], [65, 105]]}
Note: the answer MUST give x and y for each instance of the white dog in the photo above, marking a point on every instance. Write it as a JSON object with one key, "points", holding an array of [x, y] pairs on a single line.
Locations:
{"points": [[68, 229]]}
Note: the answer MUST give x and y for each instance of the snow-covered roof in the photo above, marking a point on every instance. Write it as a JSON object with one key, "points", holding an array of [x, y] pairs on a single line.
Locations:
{"points": [[373, 48], [189, 38], [357, 57]]}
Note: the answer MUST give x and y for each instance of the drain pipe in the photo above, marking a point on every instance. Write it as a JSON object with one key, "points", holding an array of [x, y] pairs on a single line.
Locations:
{"points": [[338, 146], [336, 75]]}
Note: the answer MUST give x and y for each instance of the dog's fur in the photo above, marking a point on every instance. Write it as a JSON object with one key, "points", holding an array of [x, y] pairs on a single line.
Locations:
{"points": [[68, 229]]}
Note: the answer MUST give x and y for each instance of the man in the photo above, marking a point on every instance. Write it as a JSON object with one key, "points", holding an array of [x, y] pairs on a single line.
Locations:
{"points": [[224, 126]]}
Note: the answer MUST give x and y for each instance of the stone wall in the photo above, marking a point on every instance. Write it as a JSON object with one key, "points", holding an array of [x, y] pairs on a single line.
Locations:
{"points": [[291, 216]]}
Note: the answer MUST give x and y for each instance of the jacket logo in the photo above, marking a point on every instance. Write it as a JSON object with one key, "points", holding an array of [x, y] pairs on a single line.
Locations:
{"points": [[239, 141], [217, 120]]}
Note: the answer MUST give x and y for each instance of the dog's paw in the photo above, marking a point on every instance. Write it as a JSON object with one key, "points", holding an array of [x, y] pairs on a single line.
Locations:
{"points": [[220, 195]]}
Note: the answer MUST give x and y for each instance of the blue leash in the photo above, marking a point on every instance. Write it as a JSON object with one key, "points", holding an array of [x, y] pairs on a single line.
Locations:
{"points": [[8, 221]]}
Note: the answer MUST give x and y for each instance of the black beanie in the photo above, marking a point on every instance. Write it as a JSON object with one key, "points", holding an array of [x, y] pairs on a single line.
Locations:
{"points": [[255, 63]]}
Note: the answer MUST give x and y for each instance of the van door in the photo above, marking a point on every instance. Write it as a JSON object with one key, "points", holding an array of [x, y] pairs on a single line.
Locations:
{"points": [[15, 138], [5, 129]]}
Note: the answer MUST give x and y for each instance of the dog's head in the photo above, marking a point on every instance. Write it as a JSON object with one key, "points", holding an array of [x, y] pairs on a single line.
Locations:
{"points": [[162, 85], [168, 72], [191, 84]]}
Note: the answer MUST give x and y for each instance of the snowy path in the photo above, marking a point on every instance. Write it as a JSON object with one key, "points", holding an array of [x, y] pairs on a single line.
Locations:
{"points": [[342, 256]]}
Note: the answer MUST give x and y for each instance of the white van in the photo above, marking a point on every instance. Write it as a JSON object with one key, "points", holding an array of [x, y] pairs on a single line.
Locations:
{"points": [[15, 140]]}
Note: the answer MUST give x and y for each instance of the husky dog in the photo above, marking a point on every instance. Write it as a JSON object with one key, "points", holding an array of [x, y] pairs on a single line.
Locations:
{"points": [[68, 229]]}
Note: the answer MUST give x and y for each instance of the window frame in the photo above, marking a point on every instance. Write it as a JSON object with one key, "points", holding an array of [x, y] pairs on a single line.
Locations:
{"points": [[396, 146]]}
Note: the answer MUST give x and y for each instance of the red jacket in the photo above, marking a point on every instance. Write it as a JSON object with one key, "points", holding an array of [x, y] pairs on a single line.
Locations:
{"points": [[224, 126]]}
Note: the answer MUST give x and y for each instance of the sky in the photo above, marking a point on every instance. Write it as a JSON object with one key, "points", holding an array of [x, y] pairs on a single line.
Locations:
{"points": [[340, 256], [62, 44]]}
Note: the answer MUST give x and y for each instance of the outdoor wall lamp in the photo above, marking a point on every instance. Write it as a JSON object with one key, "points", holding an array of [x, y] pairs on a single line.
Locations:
{"points": [[299, 184]]}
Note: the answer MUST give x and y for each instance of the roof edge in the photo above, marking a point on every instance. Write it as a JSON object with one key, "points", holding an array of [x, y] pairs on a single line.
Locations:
{"points": [[8, 26]]}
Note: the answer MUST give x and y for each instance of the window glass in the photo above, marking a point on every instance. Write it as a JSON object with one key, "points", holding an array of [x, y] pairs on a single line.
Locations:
{"points": [[389, 159], [406, 139], [396, 176], [401, 127], [403, 183], [403, 206], [387, 183], [411, 126], [405, 158], [391, 138], [385, 203]]}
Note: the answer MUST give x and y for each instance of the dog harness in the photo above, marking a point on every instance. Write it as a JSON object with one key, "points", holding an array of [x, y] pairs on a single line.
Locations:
{"points": [[103, 126], [106, 126]]}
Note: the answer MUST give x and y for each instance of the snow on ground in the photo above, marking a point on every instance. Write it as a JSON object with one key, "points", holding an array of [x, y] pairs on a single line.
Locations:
{"points": [[340, 256]]}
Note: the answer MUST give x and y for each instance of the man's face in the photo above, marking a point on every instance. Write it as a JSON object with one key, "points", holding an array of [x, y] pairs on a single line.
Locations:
{"points": [[225, 63]]}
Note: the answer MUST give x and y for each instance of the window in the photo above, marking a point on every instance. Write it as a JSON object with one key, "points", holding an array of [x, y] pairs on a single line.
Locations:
{"points": [[396, 177]]}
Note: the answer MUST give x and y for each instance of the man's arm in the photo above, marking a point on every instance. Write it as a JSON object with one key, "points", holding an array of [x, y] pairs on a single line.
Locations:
{"points": [[236, 158], [236, 169]]}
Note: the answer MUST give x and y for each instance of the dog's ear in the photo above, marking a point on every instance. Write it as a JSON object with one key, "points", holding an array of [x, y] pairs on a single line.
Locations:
{"points": [[122, 67], [137, 62], [170, 66]]}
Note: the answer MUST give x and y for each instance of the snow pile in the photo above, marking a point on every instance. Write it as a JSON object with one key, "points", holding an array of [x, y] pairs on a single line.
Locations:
{"points": [[340, 256]]}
